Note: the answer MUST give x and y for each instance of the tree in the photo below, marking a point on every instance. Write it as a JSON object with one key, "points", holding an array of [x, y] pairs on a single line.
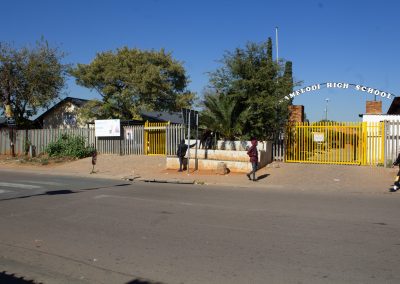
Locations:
{"points": [[222, 115], [257, 84], [30, 79], [132, 80]]}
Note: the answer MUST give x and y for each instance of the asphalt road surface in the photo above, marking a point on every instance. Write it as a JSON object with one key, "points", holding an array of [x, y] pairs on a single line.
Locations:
{"points": [[76, 230]]}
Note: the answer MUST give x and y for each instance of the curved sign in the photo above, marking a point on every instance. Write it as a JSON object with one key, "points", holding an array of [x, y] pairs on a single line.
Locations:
{"points": [[337, 85]]}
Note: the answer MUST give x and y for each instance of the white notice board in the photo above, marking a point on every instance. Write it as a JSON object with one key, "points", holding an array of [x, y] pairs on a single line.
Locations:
{"points": [[319, 136], [107, 127]]}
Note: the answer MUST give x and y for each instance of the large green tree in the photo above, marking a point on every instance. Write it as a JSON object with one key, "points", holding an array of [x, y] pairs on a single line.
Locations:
{"points": [[257, 84], [132, 80], [31, 78]]}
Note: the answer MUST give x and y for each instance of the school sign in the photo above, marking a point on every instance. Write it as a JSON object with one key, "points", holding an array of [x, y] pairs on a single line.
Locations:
{"points": [[340, 85]]}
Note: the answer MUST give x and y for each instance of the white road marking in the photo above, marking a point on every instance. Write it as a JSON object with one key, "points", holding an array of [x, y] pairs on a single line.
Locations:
{"points": [[3, 191], [19, 185]]}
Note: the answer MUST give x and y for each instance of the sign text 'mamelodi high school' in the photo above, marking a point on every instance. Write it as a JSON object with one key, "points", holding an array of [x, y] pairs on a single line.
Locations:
{"points": [[361, 88]]}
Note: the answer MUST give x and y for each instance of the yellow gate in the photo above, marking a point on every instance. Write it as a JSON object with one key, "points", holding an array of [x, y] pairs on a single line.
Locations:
{"points": [[155, 138], [349, 143]]}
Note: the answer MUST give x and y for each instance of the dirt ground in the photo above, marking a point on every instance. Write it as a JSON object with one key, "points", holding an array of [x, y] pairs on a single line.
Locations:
{"points": [[276, 176]]}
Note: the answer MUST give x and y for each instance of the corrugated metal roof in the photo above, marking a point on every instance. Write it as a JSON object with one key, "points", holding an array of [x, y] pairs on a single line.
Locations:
{"points": [[173, 117], [395, 106]]}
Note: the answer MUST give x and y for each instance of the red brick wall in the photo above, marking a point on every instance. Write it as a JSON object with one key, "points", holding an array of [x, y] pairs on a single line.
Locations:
{"points": [[296, 113], [374, 107]]}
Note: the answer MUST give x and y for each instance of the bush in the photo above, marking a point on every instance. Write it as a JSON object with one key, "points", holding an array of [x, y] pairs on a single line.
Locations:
{"points": [[69, 146]]}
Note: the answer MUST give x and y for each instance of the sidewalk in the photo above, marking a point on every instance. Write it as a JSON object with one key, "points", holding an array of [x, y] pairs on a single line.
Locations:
{"points": [[276, 176]]}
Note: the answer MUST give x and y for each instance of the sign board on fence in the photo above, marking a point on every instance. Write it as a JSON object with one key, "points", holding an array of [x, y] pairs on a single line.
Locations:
{"points": [[107, 128], [319, 136], [11, 121], [190, 115]]}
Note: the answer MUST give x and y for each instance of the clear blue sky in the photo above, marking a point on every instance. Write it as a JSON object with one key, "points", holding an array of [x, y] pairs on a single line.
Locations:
{"points": [[350, 41]]}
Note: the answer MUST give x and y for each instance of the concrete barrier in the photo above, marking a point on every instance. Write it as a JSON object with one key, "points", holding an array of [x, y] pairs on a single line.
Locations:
{"points": [[236, 161]]}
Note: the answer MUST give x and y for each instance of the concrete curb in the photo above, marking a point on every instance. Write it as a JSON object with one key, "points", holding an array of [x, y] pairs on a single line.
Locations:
{"points": [[155, 180], [174, 181]]}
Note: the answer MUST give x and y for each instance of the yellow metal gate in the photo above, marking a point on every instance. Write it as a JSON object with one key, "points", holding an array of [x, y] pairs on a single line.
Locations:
{"points": [[155, 138], [351, 143]]}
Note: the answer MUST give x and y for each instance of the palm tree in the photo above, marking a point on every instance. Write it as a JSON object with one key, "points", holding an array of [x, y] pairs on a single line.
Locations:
{"points": [[222, 114]]}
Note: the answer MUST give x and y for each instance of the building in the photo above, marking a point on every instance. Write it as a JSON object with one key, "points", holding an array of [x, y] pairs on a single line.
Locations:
{"points": [[373, 111], [64, 114]]}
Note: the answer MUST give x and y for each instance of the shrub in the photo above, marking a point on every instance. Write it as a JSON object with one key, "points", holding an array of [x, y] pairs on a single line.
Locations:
{"points": [[69, 146]]}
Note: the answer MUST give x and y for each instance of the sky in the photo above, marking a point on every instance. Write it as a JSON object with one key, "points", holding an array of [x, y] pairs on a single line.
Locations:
{"points": [[343, 41]]}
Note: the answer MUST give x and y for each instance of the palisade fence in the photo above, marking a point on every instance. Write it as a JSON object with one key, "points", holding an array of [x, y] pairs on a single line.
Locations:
{"points": [[278, 150], [392, 141], [175, 133], [131, 141]]}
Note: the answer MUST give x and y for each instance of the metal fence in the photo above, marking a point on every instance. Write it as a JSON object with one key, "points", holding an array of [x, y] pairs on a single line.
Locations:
{"points": [[392, 141], [278, 150], [131, 141], [358, 143], [175, 133], [39, 138]]}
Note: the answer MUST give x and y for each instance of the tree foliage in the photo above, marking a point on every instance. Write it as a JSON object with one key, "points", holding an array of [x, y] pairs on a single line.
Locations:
{"points": [[132, 80], [221, 115], [256, 84], [30, 78]]}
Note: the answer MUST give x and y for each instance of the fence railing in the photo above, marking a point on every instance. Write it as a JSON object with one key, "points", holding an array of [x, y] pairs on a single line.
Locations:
{"points": [[131, 141], [392, 141], [278, 150], [175, 133], [40, 138]]}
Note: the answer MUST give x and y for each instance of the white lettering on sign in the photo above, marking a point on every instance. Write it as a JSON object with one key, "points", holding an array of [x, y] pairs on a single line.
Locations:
{"points": [[339, 85], [302, 91], [376, 92]]}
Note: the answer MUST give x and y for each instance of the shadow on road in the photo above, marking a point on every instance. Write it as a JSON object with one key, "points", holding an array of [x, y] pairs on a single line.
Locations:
{"points": [[57, 192], [262, 176], [12, 279], [62, 191], [141, 281]]}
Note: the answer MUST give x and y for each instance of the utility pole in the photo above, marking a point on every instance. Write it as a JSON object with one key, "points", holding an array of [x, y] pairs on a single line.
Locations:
{"points": [[326, 109], [188, 139], [277, 48]]}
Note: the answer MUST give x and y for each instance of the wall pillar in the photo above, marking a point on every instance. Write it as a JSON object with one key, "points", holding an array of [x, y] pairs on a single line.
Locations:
{"points": [[373, 107], [296, 113]]}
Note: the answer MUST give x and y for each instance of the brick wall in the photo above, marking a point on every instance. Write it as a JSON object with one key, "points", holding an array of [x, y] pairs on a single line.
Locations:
{"points": [[296, 113], [374, 107]]}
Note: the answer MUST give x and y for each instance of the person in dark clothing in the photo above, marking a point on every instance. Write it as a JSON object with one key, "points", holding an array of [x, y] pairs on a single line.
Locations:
{"points": [[205, 140], [253, 154], [209, 141], [181, 152], [396, 181]]}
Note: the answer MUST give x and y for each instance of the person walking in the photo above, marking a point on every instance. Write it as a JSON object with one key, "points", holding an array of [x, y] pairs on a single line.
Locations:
{"points": [[253, 154], [181, 152], [396, 184]]}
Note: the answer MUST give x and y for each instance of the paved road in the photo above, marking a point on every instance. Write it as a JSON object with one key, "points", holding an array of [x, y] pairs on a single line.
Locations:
{"points": [[198, 234], [15, 184]]}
